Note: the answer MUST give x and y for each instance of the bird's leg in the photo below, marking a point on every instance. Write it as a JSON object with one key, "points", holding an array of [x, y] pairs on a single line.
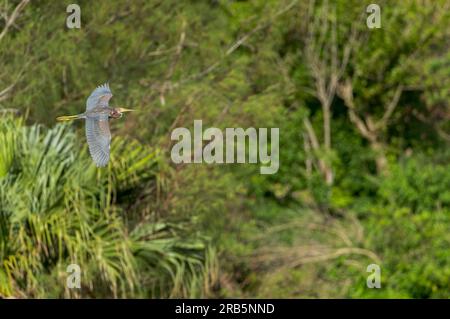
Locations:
{"points": [[70, 117]]}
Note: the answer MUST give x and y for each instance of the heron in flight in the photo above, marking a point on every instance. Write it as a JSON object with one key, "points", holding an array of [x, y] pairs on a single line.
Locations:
{"points": [[97, 115]]}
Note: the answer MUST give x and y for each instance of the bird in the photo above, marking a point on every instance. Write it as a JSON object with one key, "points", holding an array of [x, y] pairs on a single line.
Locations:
{"points": [[97, 115]]}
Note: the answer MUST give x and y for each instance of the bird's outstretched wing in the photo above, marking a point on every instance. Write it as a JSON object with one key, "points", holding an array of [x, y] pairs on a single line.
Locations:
{"points": [[99, 139], [99, 97]]}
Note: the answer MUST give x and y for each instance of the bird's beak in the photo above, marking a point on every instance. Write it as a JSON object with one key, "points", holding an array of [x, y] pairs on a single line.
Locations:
{"points": [[123, 110]]}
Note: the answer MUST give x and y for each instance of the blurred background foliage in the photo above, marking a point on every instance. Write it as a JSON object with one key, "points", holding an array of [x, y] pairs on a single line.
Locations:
{"points": [[364, 134]]}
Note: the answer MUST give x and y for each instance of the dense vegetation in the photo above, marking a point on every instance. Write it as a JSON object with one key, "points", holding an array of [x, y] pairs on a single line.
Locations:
{"points": [[364, 163]]}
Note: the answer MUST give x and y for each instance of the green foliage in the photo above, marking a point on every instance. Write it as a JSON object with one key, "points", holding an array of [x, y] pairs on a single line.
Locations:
{"points": [[420, 183], [56, 210], [143, 227]]}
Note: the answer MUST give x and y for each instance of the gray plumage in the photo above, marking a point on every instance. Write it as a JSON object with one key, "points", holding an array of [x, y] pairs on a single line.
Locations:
{"points": [[98, 134]]}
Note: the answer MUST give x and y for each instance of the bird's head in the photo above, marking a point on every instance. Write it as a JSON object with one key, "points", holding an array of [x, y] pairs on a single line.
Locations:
{"points": [[117, 112]]}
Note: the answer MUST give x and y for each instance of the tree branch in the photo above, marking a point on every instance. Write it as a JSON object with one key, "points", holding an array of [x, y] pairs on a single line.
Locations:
{"points": [[391, 107], [13, 17]]}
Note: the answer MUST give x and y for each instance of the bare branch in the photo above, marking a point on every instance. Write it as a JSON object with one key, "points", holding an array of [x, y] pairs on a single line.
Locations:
{"points": [[237, 44], [316, 146], [172, 66], [4, 93], [444, 135], [311, 134], [391, 107], [10, 110], [308, 160], [345, 92], [13, 17]]}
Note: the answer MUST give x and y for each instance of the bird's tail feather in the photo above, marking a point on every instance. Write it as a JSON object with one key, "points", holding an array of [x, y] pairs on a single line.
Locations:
{"points": [[68, 118]]}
